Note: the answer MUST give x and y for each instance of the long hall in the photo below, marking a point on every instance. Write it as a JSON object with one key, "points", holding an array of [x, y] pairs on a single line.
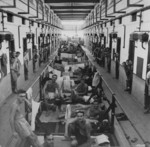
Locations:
{"points": [[74, 73]]}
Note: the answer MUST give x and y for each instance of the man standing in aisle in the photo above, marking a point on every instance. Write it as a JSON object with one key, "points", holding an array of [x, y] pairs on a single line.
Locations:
{"points": [[19, 125], [15, 70]]}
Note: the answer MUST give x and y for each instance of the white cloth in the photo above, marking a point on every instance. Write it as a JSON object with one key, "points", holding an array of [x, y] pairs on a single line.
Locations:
{"points": [[29, 93], [89, 88], [148, 75], [86, 98], [100, 139], [64, 55], [66, 85], [72, 83], [35, 108], [96, 79], [57, 72], [64, 63], [59, 81], [148, 79], [68, 112], [51, 95], [50, 69]]}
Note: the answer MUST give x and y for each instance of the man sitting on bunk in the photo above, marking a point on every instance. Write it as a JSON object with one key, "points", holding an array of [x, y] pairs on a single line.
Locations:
{"points": [[51, 88], [80, 128], [82, 88]]}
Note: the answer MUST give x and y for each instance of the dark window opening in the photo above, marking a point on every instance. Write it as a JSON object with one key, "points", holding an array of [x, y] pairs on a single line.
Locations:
{"points": [[23, 21], [38, 24], [32, 23], [134, 17], [120, 20], [10, 17], [111, 23], [105, 24]]}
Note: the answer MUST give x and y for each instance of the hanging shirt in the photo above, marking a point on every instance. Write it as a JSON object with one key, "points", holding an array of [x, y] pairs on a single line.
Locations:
{"points": [[96, 79]]}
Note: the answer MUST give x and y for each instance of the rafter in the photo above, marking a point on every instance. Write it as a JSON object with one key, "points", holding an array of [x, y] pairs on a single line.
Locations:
{"points": [[71, 1], [72, 11], [72, 7]]}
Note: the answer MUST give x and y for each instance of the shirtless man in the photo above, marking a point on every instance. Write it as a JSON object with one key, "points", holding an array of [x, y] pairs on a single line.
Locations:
{"points": [[18, 123], [80, 128]]}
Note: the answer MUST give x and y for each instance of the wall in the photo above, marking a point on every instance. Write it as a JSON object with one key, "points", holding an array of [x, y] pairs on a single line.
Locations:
{"points": [[13, 27], [128, 26]]}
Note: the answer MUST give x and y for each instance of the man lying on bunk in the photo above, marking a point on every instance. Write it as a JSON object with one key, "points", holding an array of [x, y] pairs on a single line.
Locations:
{"points": [[19, 125], [80, 128], [50, 89]]}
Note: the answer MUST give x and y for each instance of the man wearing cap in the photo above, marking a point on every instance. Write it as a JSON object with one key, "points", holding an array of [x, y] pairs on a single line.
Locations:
{"points": [[80, 128]]}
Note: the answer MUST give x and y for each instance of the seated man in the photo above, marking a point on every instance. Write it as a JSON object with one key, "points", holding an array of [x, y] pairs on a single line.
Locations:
{"points": [[82, 88], [80, 128], [50, 89], [51, 86]]}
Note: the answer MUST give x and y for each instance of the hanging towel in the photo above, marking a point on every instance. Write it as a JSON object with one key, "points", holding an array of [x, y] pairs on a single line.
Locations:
{"points": [[96, 79], [102, 139], [68, 112], [35, 108], [29, 93]]}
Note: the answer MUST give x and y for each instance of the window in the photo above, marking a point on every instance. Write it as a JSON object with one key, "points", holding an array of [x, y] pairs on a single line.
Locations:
{"points": [[10, 17], [134, 16], [38, 24], [32, 23], [111, 23], [23, 21], [105, 24], [120, 20]]}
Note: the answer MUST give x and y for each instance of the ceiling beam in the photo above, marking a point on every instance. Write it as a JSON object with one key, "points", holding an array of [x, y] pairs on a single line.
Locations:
{"points": [[71, 12], [71, 1], [60, 14], [71, 18], [71, 7]]}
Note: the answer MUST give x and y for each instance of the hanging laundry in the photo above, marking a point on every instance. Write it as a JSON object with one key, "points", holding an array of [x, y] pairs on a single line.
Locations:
{"points": [[29, 93], [35, 108], [68, 112]]}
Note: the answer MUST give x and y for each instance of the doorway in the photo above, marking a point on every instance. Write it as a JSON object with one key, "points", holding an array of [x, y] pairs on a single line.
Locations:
{"points": [[26, 59], [109, 51], [118, 57], [11, 55], [131, 61], [147, 97]]}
